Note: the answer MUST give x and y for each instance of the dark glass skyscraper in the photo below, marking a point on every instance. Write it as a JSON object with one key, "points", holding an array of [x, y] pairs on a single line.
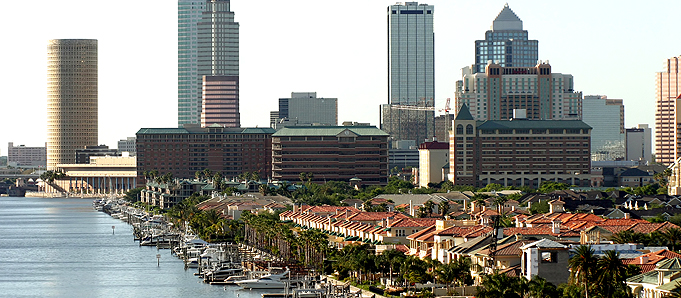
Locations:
{"points": [[208, 45], [507, 44]]}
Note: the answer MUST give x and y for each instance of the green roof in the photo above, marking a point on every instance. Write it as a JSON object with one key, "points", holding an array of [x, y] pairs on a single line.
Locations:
{"points": [[328, 131], [198, 130], [533, 124], [464, 114]]}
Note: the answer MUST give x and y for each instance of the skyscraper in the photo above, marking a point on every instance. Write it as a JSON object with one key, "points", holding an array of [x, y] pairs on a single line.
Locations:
{"points": [[606, 117], [208, 45], [668, 93], [506, 44], [409, 114], [71, 98], [188, 91]]}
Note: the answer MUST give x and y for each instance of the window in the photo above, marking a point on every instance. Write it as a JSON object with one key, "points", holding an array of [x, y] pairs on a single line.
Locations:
{"points": [[469, 129], [459, 129], [549, 257]]}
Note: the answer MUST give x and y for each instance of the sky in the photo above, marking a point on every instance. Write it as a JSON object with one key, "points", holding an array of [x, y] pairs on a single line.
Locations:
{"points": [[335, 48]]}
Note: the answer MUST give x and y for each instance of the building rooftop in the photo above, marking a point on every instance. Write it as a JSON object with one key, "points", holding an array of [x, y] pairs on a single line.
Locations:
{"points": [[533, 124], [329, 131]]}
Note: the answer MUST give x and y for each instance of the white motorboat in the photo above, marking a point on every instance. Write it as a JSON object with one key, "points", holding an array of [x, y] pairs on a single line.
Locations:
{"points": [[269, 281]]}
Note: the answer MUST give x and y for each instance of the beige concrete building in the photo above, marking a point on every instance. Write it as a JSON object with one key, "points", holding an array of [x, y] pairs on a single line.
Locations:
{"points": [[71, 98], [104, 174], [668, 91], [433, 156]]}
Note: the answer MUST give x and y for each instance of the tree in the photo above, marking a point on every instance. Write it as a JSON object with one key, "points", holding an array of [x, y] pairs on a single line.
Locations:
{"points": [[444, 208], [540, 207], [612, 274], [583, 266], [133, 194], [672, 236], [541, 288], [501, 285], [549, 186]]}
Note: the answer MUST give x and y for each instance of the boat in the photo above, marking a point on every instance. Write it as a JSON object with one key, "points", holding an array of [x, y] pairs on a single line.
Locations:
{"points": [[269, 281]]}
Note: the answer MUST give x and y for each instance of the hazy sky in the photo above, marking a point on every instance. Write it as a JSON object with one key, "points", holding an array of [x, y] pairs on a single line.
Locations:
{"points": [[336, 48]]}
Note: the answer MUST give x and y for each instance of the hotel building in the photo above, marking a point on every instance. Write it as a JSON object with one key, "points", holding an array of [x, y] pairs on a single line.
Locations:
{"points": [[183, 151], [331, 153], [519, 152], [495, 93]]}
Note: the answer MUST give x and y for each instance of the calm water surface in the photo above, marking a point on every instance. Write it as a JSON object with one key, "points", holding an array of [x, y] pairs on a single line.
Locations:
{"points": [[56, 247]]}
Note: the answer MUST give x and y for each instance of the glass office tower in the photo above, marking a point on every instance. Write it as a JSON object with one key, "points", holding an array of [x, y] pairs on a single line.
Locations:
{"points": [[409, 114], [507, 44]]}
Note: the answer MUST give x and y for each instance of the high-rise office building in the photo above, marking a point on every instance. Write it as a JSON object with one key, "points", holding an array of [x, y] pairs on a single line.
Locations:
{"points": [[506, 44], [304, 109], [409, 114], [495, 93], [71, 98], [188, 91], [208, 45], [639, 144], [606, 117], [667, 120], [220, 101]]}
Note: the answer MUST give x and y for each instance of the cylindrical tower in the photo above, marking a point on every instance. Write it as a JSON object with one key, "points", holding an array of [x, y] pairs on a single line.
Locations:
{"points": [[71, 98]]}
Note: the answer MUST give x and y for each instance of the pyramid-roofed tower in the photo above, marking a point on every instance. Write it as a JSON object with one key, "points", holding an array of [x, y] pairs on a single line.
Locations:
{"points": [[507, 20]]}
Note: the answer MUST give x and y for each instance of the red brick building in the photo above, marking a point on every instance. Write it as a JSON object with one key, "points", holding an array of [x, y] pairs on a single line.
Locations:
{"points": [[331, 153], [183, 151], [519, 152]]}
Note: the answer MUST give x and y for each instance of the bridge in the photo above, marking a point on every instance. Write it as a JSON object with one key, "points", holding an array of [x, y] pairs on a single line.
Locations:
{"points": [[14, 176]]}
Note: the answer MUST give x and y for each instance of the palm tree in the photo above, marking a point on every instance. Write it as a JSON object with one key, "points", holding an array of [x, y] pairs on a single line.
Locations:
{"points": [[628, 236], [672, 235], [541, 288], [501, 285], [611, 273], [583, 266], [444, 208]]}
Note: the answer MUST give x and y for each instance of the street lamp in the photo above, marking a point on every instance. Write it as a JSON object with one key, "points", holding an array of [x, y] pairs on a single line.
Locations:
{"points": [[158, 260]]}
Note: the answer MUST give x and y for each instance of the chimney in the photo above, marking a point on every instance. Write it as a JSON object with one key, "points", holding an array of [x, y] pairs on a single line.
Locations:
{"points": [[411, 209], [643, 260], [556, 226], [627, 215], [295, 208], [387, 222]]}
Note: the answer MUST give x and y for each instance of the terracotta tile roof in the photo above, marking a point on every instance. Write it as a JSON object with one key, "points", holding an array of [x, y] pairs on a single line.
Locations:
{"points": [[488, 212], [543, 230], [510, 249], [652, 227], [412, 222], [327, 209], [426, 231], [457, 231], [375, 216], [648, 261]]}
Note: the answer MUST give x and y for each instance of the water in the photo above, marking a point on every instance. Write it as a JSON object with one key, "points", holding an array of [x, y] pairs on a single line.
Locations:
{"points": [[57, 247]]}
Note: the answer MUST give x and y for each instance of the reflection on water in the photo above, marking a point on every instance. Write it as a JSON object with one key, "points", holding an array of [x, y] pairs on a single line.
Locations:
{"points": [[57, 247]]}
